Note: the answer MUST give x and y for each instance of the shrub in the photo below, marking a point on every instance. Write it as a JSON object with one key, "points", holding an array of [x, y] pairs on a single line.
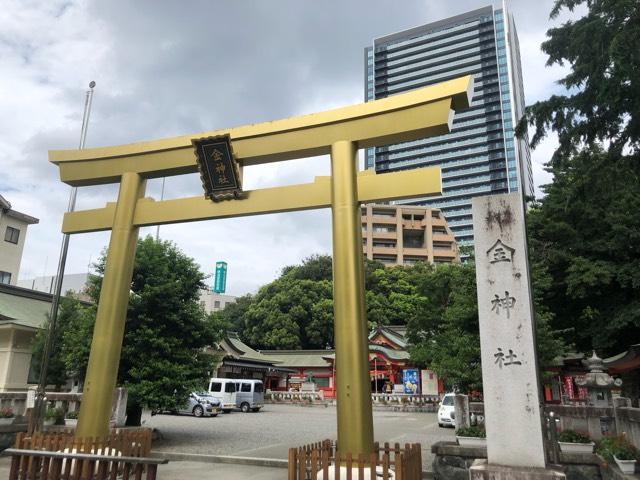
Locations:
{"points": [[72, 415], [6, 413], [56, 414], [473, 431], [571, 436], [618, 446]]}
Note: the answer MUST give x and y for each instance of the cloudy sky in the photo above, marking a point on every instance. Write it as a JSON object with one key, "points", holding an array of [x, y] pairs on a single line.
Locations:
{"points": [[179, 67]]}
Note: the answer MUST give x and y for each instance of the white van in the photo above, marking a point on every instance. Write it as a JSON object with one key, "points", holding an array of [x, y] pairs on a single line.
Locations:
{"points": [[249, 395], [224, 389]]}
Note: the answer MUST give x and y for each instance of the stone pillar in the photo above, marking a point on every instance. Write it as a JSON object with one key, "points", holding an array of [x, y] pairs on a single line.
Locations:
{"points": [[513, 417], [461, 410], [119, 408]]}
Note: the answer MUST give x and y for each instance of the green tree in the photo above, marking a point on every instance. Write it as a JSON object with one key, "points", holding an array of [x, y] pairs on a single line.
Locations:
{"points": [[69, 311], [602, 103], [233, 314], [584, 233], [296, 310], [445, 335], [166, 330], [585, 236], [290, 313]]}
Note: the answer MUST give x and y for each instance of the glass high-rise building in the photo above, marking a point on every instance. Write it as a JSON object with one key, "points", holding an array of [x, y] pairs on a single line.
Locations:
{"points": [[481, 155]]}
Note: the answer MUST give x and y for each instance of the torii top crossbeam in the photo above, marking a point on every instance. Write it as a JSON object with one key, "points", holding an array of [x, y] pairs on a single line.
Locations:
{"points": [[409, 116]]}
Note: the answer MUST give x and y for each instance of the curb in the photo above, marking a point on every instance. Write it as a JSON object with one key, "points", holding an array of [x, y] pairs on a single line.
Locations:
{"points": [[375, 407], [254, 461], [200, 457]]}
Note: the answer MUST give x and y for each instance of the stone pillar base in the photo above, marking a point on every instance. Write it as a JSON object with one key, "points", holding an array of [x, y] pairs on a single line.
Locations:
{"points": [[481, 470]]}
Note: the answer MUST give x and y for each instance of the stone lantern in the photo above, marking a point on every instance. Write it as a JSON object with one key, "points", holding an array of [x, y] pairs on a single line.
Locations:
{"points": [[598, 383]]}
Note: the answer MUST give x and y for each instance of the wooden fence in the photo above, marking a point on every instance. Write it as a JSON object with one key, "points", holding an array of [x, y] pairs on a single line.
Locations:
{"points": [[133, 443], [59, 455], [45, 465], [319, 460]]}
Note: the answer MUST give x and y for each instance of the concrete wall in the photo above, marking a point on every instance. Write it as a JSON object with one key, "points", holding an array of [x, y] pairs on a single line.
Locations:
{"points": [[15, 358], [628, 422], [593, 420]]}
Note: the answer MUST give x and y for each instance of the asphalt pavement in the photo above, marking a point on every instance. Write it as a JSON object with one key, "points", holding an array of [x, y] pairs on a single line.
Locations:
{"points": [[267, 435], [278, 427]]}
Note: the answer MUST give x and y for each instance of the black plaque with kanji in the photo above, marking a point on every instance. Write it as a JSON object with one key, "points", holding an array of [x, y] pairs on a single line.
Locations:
{"points": [[219, 170]]}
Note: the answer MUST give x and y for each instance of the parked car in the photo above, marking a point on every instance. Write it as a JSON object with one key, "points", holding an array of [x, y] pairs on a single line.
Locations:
{"points": [[249, 395], [446, 414], [201, 404], [224, 389]]}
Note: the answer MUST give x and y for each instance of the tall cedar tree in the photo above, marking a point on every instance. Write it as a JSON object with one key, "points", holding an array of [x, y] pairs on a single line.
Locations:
{"points": [[163, 354], [585, 233]]}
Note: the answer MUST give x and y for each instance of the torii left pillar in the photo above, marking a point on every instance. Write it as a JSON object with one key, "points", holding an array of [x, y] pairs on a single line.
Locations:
{"points": [[108, 332]]}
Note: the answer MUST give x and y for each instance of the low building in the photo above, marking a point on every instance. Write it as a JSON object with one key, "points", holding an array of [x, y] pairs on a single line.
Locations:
{"points": [[13, 228], [71, 282], [214, 302], [23, 313], [402, 235]]}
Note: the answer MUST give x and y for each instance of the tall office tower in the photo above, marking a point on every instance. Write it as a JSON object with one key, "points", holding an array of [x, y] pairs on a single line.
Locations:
{"points": [[480, 156]]}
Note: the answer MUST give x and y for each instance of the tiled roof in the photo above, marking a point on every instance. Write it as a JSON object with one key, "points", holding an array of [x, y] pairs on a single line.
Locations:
{"points": [[23, 307], [236, 348], [395, 334], [390, 353], [299, 358]]}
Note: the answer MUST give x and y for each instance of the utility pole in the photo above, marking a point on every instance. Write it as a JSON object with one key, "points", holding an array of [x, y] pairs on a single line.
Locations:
{"points": [[38, 410]]}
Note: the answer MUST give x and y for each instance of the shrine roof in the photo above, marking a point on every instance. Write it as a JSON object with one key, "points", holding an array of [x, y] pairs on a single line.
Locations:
{"points": [[390, 353], [237, 349], [299, 358], [396, 334], [629, 360]]}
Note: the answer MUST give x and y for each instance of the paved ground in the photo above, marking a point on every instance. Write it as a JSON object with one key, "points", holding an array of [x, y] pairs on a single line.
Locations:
{"points": [[271, 432]]}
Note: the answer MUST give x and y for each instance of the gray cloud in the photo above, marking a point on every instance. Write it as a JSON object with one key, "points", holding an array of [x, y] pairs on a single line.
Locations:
{"points": [[172, 68]]}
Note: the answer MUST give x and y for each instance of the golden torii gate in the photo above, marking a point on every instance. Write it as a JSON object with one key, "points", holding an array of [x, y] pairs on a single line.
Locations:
{"points": [[340, 133]]}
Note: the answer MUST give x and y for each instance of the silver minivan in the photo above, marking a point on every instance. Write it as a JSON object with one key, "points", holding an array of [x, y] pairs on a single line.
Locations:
{"points": [[224, 389], [249, 395]]}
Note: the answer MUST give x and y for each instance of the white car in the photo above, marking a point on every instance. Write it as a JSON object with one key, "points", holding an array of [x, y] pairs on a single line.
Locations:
{"points": [[446, 414]]}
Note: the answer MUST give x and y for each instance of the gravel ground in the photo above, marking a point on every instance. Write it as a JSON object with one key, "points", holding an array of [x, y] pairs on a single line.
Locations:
{"points": [[276, 428]]}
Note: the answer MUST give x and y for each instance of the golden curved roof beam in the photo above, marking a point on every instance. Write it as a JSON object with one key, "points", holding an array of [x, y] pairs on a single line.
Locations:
{"points": [[409, 116]]}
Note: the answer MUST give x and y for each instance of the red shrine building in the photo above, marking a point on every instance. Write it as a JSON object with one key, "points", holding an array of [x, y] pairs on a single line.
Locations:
{"points": [[390, 368]]}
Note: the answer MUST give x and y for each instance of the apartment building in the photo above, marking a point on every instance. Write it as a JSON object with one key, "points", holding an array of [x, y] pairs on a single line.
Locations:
{"points": [[481, 155], [13, 228], [406, 234]]}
